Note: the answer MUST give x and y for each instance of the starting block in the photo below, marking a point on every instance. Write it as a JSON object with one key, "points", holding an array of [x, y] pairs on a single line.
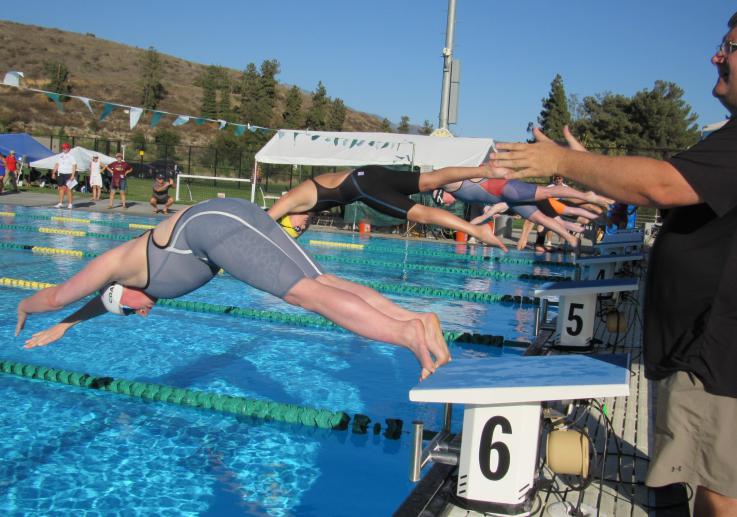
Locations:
{"points": [[620, 243], [602, 267], [577, 307], [503, 398]]}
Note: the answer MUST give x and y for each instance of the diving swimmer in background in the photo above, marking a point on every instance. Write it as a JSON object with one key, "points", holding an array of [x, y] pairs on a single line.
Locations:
{"points": [[520, 197], [187, 250], [388, 192]]}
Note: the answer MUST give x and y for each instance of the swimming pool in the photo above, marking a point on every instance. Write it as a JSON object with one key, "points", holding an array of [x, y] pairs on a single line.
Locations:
{"points": [[71, 450]]}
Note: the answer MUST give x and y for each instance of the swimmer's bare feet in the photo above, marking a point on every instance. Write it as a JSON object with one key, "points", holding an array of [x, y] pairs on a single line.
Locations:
{"points": [[417, 343], [435, 340], [486, 234], [593, 197]]}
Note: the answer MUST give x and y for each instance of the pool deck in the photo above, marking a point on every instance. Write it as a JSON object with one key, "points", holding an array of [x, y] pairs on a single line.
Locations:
{"points": [[621, 490]]}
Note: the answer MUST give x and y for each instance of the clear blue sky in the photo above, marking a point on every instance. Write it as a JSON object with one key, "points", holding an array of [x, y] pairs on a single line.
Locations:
{"points": [[384, 57]]}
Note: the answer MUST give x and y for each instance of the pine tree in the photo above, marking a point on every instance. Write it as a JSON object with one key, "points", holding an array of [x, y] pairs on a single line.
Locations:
{"points": [[292, 116], [426, 128], [58, 76], [267, 92], [317, 115], [248, 89], [209, 107], [403, 126], [336, 115], [386, 126], [555, 114], [152, 73]]}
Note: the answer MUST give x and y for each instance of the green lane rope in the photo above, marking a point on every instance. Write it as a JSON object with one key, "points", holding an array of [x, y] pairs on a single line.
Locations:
{"points": [[472, 273], [241, 406], [438, 254], [383, 287], [302, 320], [113, 224], [462, 256]]}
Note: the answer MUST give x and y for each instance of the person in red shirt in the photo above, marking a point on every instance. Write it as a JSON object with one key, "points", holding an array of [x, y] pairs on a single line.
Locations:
{"points": [[119, 169], [11, 165]]}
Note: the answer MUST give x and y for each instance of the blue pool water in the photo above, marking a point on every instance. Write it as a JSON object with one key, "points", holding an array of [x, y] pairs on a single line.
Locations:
{"points": [[71, 450]]}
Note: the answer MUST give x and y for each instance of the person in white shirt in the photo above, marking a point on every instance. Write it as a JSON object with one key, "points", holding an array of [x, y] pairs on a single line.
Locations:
{"points": [[64, 172], [95, 177]]}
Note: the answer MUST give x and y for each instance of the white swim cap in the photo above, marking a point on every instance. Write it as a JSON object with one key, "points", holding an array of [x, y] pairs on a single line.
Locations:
{"points": [[111, 296]]}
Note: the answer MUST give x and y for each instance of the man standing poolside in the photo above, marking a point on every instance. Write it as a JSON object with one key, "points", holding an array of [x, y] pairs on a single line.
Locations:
{"points": [[64, 172], [690, 336], [119, 169]]}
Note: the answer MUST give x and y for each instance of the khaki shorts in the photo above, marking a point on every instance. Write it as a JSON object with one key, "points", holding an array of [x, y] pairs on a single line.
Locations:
{"points": [[695, 437]]}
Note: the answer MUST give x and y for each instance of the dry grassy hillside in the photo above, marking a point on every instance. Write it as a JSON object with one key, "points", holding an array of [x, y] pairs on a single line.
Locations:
{"points": [[104, 70]]}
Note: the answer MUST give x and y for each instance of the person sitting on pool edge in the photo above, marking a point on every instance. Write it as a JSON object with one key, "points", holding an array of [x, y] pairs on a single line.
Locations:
{"points": [[387, 191], [160, 193], [188, 249]]}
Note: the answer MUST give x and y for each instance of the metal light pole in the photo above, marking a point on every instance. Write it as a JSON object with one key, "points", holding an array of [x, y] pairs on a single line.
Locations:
{"points": [[447, 64]]}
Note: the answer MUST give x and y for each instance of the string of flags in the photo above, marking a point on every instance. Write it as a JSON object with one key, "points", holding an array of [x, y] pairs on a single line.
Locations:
{"points": [[13, 79]]}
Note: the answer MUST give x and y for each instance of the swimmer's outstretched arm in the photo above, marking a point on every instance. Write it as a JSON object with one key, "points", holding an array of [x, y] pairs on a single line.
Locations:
{"points": [[93, 277], [90, 310]]}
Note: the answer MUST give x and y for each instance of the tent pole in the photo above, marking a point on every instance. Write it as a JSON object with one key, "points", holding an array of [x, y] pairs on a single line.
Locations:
{"points": [[254, 179]]}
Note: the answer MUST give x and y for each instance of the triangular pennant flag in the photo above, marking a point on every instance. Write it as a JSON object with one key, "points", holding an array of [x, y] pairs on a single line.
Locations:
{"points": [[371, 143], [386, 144], [135, 116], [181, 120], [280, 134], [223, 123], [239, 129], [251, 128], [13, 78], [353, 143], [335, 142], [315, 137], [155, 118], [107, 110], [55, 97], [199, 121], [86, 102], [295, 136]]}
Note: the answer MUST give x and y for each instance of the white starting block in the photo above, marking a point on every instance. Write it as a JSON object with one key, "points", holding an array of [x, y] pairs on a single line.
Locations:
{"points": [[577, 307], [501, 420], [620, 243], [602, 267]]}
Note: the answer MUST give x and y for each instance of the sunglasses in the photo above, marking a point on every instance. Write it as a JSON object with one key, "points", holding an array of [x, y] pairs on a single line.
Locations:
{"points": [[727, 47]]}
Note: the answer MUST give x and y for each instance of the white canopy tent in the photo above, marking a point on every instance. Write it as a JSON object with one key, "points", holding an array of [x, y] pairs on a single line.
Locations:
{"points": [[82, 155], [340, 149], [710, 128], [350, 149]]}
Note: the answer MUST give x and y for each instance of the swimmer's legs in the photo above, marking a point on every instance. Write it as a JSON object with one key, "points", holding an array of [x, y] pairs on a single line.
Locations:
{"points": [[525, 235], [351, 312], [430, 215], [571, 193], [433, 332], [441, 177], [550, 223]]}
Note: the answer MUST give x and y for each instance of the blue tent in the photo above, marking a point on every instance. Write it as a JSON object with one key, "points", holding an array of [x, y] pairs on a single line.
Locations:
{"points": [[24, 145]]}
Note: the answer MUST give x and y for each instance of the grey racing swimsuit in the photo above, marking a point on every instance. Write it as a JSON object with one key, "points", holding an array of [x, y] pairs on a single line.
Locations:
{"points": [[231, 234], [517, 194]]}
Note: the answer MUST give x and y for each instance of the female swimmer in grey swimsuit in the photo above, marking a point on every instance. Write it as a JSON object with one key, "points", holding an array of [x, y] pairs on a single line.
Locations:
{"points": [[388, 192], [187, 250]]}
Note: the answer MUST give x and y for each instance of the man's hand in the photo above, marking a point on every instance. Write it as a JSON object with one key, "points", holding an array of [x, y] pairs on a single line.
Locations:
{"points": [[47, 336], [542, 158]]}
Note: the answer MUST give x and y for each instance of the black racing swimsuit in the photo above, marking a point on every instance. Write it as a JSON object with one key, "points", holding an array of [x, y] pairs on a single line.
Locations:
{"points": [[384, 190]]}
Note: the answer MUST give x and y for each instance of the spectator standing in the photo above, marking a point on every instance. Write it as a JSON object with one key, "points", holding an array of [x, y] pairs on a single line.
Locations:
{"points": [[2, 173], [95, 177], [160, 195], [11, 166], [119, 169], [64, 172]]}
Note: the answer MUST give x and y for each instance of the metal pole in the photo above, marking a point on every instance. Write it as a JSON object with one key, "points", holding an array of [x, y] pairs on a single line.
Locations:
{"points": [[447, 60], [416, 463]]}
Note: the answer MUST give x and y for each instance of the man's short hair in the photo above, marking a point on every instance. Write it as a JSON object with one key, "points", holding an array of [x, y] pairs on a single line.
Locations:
{"points": [[732, 21]]}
